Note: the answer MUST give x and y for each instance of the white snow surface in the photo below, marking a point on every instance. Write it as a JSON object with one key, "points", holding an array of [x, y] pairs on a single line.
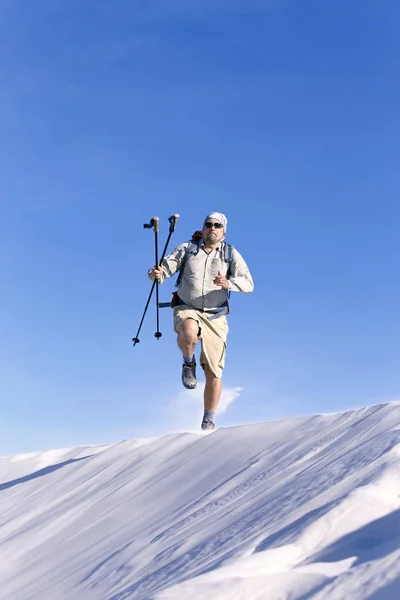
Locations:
{"points": [[288, 510]]}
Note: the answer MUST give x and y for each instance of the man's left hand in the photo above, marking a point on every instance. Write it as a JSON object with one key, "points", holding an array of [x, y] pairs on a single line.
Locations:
{"points": [[221, 281]]}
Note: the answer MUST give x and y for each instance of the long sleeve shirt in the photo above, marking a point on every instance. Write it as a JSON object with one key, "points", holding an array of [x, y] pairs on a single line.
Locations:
{"points": [[197, 288]]}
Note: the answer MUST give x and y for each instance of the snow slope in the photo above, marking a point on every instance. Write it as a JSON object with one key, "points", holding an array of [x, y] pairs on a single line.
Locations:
{"points": [[295, 509]]}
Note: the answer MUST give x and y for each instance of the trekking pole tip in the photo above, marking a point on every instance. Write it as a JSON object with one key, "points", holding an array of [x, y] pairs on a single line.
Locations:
{"points": [[158, 334]]}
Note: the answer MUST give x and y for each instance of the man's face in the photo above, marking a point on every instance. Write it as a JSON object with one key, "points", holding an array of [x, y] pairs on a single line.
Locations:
{"points": [[213, 232]]}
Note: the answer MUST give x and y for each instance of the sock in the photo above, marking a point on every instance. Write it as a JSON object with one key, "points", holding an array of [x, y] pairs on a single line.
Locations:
{"points": [[208, 415], [188, 359]]}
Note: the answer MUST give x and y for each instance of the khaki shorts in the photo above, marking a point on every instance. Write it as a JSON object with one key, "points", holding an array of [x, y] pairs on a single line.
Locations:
{"points": [[212, 333]]}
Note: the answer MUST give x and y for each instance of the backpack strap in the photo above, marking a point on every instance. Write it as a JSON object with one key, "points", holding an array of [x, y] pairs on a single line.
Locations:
{"points": [[228, 257], [191, 250]]}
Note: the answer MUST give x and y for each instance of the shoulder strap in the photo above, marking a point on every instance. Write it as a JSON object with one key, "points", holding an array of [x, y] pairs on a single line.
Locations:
{"points": [[228, 256], [191, 250]]}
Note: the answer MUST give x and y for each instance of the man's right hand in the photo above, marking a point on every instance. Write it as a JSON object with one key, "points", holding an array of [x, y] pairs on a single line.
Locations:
{"points": [[156, 273]]}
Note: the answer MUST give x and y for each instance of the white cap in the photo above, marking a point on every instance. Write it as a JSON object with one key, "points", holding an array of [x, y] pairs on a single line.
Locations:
{"points": [[218, 217]]}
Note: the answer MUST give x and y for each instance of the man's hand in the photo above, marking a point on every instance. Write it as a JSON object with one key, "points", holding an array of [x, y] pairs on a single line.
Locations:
{"points": [[156, 273], [221, 280]]}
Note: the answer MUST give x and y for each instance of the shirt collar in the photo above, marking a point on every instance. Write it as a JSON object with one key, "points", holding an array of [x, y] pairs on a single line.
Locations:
{"points": [[217, 248]]}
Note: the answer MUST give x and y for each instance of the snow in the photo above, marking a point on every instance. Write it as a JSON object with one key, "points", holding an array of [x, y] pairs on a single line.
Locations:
{"points": [[294, 509]]}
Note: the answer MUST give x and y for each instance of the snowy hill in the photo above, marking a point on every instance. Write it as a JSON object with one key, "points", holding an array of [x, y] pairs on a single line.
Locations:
{"points": [[301, 508]]}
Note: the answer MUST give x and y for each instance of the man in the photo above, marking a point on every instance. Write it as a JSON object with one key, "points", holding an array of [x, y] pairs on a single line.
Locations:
{"points": [[202, 303]]}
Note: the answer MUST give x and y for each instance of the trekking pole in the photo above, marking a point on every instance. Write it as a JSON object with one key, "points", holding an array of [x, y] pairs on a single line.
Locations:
{"points": [[158, 333], [172, 220], [136, 340]]}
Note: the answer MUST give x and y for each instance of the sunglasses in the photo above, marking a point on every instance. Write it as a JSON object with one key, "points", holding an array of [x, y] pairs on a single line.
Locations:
{"points": [[216, 225]]}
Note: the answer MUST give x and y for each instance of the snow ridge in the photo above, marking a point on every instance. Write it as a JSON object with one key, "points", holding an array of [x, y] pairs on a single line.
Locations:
{"points": [[300, 508]]}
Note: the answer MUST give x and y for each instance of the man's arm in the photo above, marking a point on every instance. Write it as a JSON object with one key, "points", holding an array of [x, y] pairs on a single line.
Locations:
{"points": [[240, 278], [170, 265]]}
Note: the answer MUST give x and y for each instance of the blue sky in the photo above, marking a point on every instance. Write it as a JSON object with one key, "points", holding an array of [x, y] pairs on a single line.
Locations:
{"points": [[284, 116]]}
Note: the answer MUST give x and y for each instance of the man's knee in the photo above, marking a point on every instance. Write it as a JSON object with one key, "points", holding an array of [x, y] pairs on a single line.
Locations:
{"points": [[210, 375], [189, 330]]}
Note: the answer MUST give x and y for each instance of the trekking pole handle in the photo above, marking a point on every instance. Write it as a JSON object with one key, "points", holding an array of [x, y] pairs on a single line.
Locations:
{"points": [[153, 224], [172, 220]]}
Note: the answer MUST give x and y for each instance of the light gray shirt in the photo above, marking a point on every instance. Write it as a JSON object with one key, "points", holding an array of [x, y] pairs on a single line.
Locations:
{"points": [[197, 288]]}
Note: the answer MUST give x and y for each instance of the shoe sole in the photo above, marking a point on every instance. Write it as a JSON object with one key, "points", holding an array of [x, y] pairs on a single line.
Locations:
{"points": [[190, 387]]}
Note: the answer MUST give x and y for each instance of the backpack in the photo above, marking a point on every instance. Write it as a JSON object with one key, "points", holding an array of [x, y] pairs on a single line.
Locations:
{"points": [[193, 248]]}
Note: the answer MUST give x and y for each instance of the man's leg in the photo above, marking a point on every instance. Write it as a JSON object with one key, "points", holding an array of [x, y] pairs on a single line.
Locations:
{"points": [[212, 390], [188, 337], [212, 394]]}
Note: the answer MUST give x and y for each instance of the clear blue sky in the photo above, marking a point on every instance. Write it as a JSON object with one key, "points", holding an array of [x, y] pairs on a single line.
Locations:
{"points": [[284, 115]]}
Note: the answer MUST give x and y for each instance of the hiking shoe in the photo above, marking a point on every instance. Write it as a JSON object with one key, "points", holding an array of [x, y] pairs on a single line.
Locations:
{"points": [[207, 425], [189, 375]]}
